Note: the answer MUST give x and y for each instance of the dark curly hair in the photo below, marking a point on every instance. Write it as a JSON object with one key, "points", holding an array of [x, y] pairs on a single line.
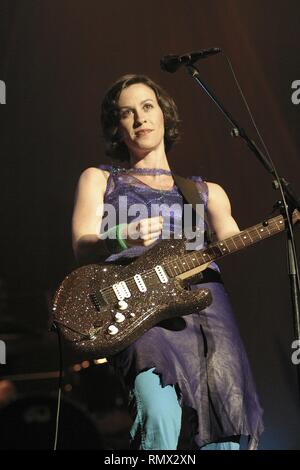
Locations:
{"points": [[115, 148]]}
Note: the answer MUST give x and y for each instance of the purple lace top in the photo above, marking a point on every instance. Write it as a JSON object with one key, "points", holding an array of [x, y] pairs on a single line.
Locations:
{"points": [[124, 189], [205, 358]]}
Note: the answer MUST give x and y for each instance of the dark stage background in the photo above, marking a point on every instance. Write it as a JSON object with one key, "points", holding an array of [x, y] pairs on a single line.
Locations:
{"points": [[57, 58]]}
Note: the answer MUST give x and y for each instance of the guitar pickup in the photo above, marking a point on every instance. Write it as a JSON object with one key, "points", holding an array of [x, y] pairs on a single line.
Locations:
{"points": [[121, 290], [161, 274]]}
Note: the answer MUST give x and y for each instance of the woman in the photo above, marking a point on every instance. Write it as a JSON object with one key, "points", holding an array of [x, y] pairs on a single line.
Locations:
{"points": [[202, 363]]}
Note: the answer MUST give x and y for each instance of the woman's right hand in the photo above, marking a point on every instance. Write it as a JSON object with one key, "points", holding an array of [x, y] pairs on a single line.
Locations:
{"points": [[143, 232]]}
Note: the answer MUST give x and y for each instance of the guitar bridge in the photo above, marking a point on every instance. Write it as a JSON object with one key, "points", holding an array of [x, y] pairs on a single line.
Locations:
{"points": [[97, 300]]}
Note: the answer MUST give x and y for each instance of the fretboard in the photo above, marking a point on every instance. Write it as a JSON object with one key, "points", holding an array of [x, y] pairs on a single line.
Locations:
{"points": [[216, 250]]}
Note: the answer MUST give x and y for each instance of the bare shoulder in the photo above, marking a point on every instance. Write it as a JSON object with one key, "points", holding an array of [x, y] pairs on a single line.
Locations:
{"points": [[216, 193], [93, 177], [93, 174]]}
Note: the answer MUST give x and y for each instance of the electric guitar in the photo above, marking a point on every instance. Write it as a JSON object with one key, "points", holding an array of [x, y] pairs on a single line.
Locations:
{"points": [[103, 308]]}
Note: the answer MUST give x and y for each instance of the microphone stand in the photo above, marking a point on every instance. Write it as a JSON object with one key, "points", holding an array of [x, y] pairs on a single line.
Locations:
{"points": [[289, 202]]}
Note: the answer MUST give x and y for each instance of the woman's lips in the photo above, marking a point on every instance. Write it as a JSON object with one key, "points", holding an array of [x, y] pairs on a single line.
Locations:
{"points": [[143, 132]]}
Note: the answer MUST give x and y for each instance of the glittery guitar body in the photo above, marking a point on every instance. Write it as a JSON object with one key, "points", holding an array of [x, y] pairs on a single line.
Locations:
{"points": [[103, 308]]}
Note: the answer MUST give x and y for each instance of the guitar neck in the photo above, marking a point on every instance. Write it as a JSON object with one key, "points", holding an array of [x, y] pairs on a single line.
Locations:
{"points": [[222, 248]]}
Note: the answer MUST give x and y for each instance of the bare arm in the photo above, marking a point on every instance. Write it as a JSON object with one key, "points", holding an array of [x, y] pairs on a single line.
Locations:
{"points": [[87, 217], [219, 213]]}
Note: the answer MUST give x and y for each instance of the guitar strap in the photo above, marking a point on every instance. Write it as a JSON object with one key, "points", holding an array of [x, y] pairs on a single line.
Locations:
{"points": [[191, 195]]}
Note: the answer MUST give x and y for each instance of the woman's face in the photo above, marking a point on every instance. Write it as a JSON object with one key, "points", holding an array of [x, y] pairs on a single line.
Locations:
{"points": [[141, 124]]}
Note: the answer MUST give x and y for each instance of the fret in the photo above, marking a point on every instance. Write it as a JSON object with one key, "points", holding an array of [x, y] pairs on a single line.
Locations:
{"points": [[201, 259], [234, 244], [181, 266], [267, 228], [170, 270], [194, 260], [187, 262], [215, 250], [274, 227], [245, 238], [176, 269], [222, 248], [279, 224], [205, 257], [248, 233], [258, 232], [208, 254], [255, 234], [225, 243], [263, 231], [184, 265], [231, 244], [239, 242]]}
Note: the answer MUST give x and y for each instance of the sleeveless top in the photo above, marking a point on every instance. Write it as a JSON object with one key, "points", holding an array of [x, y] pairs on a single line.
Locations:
{"points": [[124, 190], [202, 355]]}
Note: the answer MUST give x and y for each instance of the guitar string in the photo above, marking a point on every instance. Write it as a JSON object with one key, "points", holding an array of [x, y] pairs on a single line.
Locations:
{"points": [[211, 248], [255, 236], [151, 172], [250, 232]]}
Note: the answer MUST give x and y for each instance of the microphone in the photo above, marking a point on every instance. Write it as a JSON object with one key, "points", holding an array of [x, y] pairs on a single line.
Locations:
{"points": [[171, 63]]}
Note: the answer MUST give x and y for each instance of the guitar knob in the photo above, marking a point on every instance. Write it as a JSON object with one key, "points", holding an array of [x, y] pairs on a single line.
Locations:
{"points": [[119, 317], [122, 304], [113, 330]]}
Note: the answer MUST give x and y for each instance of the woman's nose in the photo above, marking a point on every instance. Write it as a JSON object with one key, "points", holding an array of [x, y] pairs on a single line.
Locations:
{"points": [[139, 119]]}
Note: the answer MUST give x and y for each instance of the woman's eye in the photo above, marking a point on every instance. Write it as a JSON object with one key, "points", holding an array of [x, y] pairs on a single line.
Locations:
{"points": [[148, 106], [125, 113]]}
